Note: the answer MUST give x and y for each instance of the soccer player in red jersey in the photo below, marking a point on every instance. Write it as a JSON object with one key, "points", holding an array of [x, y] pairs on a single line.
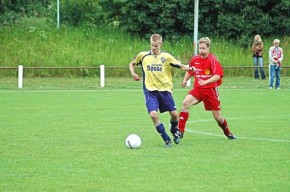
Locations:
{"points": [[208, 75]]}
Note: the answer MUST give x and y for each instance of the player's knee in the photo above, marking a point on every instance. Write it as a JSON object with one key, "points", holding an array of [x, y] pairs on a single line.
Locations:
{"points": [[185, 105], [174, 115], [153, 115]]}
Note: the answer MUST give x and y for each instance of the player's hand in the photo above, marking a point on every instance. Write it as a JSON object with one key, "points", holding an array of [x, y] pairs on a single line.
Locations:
{"points": [[192, 69], [183, 84], [136, 77], [201, 82]]}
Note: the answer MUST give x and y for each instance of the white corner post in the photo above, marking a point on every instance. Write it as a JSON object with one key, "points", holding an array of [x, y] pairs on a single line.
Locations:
{"points": [[195, 24], [58, 14], [195, 32], [188, 82], [102, 75], [20, 76]]}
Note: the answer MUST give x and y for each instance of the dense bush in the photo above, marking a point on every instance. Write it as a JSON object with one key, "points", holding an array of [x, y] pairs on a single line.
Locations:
{"points": [[170, 18], [243, 19], [232, 19], [14, 11], [78, 13]]}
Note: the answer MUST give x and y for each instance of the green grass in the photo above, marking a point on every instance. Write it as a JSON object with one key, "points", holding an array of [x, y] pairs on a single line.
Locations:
{"points": [[90, 83], [37, 42], [60, 139]]}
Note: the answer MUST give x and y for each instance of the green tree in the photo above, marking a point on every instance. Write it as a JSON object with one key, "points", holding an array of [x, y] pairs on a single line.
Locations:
{"points": [[234, 19]]}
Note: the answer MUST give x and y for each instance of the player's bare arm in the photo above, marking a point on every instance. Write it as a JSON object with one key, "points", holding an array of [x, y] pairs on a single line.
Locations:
{"points": [[210, 80], [187, 76], [183, 67], [186, 68], [132, 70]]}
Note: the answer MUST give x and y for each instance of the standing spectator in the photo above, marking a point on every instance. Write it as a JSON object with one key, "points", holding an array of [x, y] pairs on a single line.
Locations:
{"points": [[207, 75], [158, 86], [257, 48], [275, 63]]}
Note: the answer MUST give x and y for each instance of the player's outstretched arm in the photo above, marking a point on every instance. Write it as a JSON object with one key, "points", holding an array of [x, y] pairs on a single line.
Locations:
{"points": [[132, 70], [186, 68], [183, 67], [187, 76]]}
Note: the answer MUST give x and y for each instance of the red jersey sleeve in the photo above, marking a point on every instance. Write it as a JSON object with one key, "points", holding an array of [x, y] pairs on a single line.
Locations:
{"points": [[217, 69], [216, 66]]}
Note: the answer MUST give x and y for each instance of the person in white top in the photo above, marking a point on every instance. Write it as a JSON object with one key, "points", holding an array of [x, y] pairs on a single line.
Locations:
{"points": [[275, 63]]}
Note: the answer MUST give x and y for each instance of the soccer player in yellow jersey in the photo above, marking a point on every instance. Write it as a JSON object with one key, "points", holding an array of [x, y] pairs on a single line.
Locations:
{"points": [[157, 85]]}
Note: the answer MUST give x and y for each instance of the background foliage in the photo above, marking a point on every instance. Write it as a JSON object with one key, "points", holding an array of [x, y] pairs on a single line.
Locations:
{"points": [[234, 19], [91, 29]]}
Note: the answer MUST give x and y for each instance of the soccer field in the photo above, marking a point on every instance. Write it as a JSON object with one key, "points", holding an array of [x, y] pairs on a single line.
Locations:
{"points": [[74, 140]]}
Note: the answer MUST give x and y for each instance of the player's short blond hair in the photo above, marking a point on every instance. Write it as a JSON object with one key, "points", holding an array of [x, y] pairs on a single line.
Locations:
{"points": [[156, 37], [204, 40]]}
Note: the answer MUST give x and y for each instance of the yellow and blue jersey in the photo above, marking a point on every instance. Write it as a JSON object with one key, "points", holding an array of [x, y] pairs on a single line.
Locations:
{"points": [[157, 70]]}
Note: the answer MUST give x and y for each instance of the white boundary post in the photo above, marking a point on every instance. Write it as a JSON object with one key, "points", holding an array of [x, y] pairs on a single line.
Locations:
{"points": [[188, 82], [58, 14], [20, 76], [102, 75], [195, 32]]}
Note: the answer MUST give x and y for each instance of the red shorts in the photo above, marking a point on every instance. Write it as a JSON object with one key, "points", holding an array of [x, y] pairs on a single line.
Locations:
{"points": [[209, 96]]}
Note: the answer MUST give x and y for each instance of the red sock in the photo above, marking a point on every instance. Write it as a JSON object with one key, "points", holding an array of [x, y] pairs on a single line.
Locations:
{"points": [[224, 126], [183, 116]]}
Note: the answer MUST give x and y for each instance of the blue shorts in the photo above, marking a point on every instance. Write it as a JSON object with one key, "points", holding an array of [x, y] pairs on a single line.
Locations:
{"points": [[159, 100]]}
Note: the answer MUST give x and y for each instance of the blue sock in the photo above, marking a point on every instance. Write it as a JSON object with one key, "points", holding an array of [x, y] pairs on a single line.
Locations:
{"points": [[161, 130]]}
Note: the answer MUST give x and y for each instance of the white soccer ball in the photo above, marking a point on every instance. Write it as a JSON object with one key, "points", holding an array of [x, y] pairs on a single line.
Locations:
{"points": [[133, 141]]}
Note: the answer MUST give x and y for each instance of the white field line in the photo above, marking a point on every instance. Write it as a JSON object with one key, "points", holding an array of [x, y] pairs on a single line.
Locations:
{"points": [[112, 90], [233, 118], [247, 138]]}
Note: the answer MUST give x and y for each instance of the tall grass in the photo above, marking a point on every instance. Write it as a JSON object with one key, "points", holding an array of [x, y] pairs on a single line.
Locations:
{"points": [[37, 43]]}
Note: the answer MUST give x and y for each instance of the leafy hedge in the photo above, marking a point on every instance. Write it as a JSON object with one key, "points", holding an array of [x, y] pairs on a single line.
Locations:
{"points": [[232, 19]]}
